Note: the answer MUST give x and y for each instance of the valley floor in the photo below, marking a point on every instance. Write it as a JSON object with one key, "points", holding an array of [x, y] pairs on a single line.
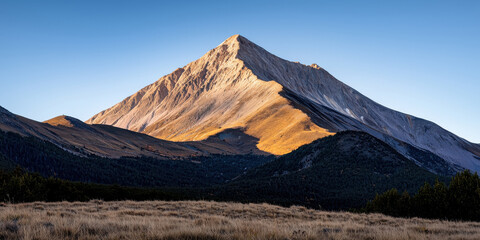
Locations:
{"points": [[211, 220]]}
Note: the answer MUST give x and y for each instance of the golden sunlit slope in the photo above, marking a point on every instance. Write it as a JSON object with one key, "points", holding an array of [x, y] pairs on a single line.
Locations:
{"points": [[212, 94]]}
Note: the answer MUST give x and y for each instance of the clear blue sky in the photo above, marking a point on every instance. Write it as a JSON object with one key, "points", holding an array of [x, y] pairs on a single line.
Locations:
{"points": [[80, 57]]}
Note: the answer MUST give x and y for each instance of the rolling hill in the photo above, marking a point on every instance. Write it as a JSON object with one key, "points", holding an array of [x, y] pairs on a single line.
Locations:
{"points": [[82, 139]]}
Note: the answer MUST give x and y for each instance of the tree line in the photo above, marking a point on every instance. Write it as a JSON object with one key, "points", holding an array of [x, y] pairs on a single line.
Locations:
{"points": [[460, 200], [19, 185]]}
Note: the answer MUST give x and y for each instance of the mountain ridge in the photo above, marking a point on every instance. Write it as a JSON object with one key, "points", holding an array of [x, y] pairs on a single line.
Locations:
{"points": [[77, 137]]}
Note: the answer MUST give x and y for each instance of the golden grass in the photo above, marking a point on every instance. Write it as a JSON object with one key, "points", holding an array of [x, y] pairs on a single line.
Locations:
{"points": [[211, 220]]}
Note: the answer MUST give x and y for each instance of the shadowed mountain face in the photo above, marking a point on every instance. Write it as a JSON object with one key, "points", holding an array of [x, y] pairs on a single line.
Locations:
{"points": [[283, 104]]}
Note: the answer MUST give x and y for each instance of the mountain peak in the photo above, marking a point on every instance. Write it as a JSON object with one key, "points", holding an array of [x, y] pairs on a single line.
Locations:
{"points": [[237, 42], [237, 38]]}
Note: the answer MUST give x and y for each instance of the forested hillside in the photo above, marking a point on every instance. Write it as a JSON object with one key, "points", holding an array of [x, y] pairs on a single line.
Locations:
{"points": [[336, 172], [42, 157]]}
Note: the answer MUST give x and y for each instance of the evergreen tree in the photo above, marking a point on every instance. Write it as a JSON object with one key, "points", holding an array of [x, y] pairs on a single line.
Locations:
{"points": [[464, 200]]}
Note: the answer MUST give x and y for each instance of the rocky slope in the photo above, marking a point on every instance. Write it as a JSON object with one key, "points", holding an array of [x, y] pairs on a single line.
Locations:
{"points": [[239, 85]]}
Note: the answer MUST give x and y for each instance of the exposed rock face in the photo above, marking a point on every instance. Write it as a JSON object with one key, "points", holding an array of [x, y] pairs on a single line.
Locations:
{"points": [[283, 104]]}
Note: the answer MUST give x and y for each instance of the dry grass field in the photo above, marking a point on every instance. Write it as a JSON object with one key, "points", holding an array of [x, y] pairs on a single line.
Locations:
{"points": [[211, 220]]}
